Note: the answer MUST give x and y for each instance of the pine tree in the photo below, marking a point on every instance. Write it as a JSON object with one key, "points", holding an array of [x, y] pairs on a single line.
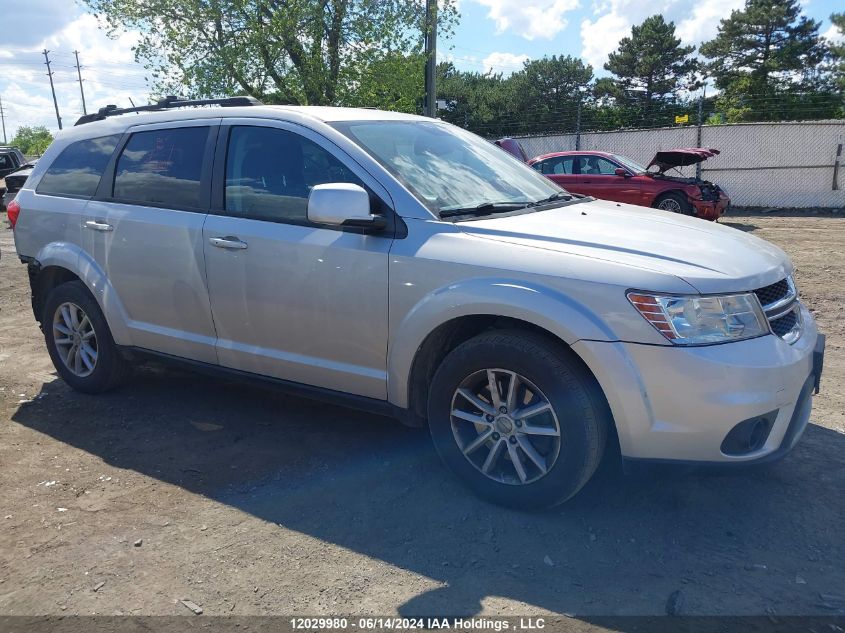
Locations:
{"points": [[762, 52], [650, 67], [837, 51]]}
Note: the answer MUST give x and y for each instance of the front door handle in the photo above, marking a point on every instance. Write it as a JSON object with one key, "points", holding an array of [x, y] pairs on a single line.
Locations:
{"points": [[229, 242], [98, 226]]}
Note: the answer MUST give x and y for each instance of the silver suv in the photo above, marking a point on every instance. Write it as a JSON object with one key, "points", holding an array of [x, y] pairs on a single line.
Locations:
{"points": [[403, 265]]}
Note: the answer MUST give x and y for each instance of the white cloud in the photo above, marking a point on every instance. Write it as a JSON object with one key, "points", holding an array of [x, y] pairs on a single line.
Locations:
{"points": [[703, 24], [833, 34], [530, 19], [601, 37], [505, 63], [614, 19]]}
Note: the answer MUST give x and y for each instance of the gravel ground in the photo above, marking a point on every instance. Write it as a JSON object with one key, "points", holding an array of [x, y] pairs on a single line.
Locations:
{"points": [[247, 501]]}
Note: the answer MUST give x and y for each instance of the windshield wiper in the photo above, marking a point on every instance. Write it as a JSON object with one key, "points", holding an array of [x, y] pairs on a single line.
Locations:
{"points": [[558, 195], [485, 208]]}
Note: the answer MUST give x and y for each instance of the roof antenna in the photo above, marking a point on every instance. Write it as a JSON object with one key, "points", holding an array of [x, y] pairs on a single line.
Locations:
{"points": [[132, 102]]}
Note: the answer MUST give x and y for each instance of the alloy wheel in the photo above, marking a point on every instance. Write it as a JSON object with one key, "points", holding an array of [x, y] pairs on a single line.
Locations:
{"points": [[505, 426], [75, 339], [670, 204]]}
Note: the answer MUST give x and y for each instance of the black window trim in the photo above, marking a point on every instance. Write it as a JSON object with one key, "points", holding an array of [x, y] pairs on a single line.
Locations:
{"points": [[105, 192], [396, 227], [76, 196]]}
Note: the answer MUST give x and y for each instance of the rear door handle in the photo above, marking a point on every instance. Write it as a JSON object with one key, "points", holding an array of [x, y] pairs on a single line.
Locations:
{"points": [[229, 242], [94, 225]]}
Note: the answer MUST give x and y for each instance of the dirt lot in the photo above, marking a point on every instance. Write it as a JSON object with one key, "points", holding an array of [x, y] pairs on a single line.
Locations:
{"points": [[247, 501]]}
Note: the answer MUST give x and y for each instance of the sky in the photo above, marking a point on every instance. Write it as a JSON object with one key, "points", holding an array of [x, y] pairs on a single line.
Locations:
{"points": [[493, 35]]}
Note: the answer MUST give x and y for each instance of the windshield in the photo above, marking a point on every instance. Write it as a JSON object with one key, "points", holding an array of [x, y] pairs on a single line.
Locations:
{"points": [[629, 164], [447, 168]]}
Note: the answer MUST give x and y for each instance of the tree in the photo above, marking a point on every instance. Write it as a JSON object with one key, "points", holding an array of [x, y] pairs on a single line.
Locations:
{"points": [[547, 91], [481, 103], [837, 51], [761, 53], [393, 82], [293, 51], [650, 67], [32, 140]]}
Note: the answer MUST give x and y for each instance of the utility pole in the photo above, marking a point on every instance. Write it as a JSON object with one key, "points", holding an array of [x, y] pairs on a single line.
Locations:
{"points": [[79, 74], [3, 118], [52, 88], [698, 132], [431, 57], [578, 125]]}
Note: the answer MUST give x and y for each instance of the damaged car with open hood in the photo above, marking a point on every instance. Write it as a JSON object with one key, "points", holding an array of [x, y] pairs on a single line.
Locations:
{"points": [[609, 176]]}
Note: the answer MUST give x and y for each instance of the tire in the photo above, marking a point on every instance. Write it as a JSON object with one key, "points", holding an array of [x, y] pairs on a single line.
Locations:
{"points": [[547, 372], [69, 304], [676, 203]]}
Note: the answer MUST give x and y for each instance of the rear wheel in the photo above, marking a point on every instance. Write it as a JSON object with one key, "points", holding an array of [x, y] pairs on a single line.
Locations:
{"points": [[79, 340], [518, 419], [676, 203]]}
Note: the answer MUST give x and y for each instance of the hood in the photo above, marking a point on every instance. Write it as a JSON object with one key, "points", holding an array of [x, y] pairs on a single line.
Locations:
{"points": [[667, 159], [710, 257]]}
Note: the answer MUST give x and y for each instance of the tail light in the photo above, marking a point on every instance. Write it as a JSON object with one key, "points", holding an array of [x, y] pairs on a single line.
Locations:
{"points": [[13, 210]]}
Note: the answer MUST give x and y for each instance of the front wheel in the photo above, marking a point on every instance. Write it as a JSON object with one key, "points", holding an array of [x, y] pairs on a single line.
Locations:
{"points": [[676, 203], [517, 418]]}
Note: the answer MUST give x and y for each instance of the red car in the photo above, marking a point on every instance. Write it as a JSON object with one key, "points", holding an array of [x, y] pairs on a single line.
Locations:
{"points": [[613, 177]]}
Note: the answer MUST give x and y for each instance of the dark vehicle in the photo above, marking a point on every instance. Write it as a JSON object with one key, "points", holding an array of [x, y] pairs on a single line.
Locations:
{"points": [[512, 147], [612, 177], [11, 159], [16, 180]]}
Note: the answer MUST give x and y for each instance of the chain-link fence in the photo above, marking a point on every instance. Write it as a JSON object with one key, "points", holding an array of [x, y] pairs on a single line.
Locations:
{"points": [[792, 165]]}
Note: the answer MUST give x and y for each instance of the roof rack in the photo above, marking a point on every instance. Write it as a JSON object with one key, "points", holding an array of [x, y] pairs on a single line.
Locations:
{"points": [[166, 104]]}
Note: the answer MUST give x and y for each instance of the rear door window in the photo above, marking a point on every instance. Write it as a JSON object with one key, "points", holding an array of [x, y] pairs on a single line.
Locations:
{"points": [[77, 170], [557, 166], [162, 168]]}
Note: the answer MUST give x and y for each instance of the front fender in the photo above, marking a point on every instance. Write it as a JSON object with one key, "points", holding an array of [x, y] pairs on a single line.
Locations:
{"points": [[71, 257], [542, 306]]}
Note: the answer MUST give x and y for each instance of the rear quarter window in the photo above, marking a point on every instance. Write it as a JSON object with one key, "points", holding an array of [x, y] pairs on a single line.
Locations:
{"points": [[78, 168], [162, 168]]}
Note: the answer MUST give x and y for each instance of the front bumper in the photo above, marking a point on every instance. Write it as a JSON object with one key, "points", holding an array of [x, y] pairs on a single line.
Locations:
{"points": [[709, 210], [679, 404]]}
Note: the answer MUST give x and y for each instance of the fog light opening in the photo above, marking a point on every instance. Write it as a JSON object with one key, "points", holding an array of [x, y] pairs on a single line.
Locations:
{"points": [[749, 435], [758, 434]]}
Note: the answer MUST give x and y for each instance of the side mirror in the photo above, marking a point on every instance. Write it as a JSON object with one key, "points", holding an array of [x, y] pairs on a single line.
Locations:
{"points": [[342, 204], [620, 171]]}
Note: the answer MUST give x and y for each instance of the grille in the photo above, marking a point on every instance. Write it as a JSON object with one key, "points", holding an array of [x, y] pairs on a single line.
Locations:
{"points": [[784, 325], [780, 303], [772, 293]]}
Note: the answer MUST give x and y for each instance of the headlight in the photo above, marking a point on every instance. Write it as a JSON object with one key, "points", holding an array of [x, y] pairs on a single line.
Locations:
{"points": [[699, 320]]}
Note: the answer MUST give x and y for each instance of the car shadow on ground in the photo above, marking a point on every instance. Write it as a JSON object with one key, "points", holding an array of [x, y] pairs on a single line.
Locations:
{"points": [[742, 226], [622, 546]]}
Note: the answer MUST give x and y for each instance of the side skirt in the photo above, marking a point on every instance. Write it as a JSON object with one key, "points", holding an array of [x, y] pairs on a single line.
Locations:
{"points": [[310, 392]]}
